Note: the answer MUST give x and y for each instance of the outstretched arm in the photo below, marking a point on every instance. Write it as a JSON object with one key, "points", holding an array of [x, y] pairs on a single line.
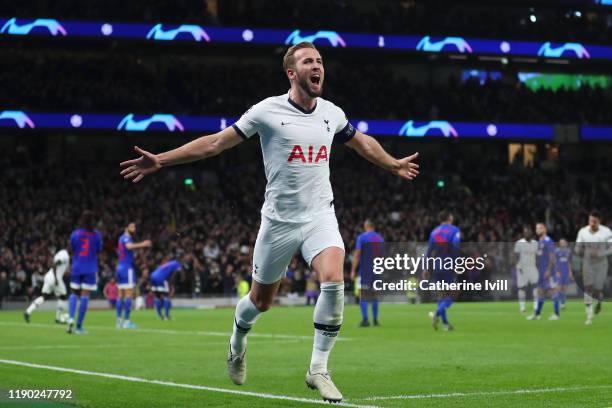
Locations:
{"points": [[371, 150], [201, 148], [139, 245]]}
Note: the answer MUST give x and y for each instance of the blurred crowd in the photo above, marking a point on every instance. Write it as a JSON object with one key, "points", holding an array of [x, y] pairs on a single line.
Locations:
{"points": [[191, 85], [538, 21], [212, 224]]}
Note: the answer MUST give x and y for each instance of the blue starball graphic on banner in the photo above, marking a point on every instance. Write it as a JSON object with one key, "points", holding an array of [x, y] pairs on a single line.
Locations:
{"points": [[20, 118], [547, 50], [331, 36], [159, 33], [409, 129], [457, 43], [12, 27], [130, 124]]}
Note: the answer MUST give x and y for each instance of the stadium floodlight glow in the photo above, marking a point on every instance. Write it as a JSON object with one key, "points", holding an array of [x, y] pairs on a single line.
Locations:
{"points": [[130, 124], [547, 50], [106, 29], [459, 43], [409, 129], [333, 37], [76, 120], [159, 33], [247, 35], [20, 118], [12, 27], [533, 18], [491, 130]]}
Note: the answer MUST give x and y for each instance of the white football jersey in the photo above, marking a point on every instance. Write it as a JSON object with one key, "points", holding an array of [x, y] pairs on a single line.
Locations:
{"points": [[61, 260], [602, 235], [526, 251], [596, 245], [296, 148]]}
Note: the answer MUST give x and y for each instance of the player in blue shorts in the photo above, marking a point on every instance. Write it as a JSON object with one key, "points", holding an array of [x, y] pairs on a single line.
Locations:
{"points": [[545, 261], [85, 243], [161, 287], [126, 277], [368, 245], [563, 267], [443, 244]]}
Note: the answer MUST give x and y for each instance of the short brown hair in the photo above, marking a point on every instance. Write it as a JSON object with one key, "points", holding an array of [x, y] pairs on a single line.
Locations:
{"points": [[289, 59]]}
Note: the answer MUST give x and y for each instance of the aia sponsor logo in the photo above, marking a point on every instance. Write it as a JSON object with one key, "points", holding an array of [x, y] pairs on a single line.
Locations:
{"points": [[307, 155]]}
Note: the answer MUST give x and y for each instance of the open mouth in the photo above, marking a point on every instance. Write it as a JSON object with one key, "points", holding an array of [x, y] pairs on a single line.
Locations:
{"points": [[315, 79]]}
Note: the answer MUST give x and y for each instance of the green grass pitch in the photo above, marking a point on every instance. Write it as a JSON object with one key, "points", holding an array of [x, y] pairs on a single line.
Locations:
{"points": [[494, 358]]}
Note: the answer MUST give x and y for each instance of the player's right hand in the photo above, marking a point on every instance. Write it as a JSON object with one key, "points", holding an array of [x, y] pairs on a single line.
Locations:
{"points": [[147, 243], [136, 169]]}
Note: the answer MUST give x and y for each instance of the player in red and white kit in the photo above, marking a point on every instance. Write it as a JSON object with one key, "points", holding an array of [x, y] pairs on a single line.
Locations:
{"points": [[296, 131]]}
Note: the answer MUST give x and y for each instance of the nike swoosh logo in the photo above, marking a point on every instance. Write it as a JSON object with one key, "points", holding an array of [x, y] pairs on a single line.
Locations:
{"points": [[286, 123]]}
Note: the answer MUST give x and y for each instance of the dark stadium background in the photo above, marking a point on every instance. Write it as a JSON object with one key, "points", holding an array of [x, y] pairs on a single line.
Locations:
{"points": [[493, 187]]}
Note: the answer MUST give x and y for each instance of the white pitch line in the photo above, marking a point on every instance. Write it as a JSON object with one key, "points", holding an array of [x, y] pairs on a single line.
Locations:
{"points": [[114, 346], [178, 385], [62, 346], [169, 331], [484, 393]]}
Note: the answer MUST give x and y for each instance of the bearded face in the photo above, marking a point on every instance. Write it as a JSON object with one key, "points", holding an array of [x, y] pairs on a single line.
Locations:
{"points": [[309, 71]]}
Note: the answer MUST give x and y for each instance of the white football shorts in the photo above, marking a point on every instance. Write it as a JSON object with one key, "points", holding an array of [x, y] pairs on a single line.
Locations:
{"points": [[50, 287], [277, 241], [526, 276]]}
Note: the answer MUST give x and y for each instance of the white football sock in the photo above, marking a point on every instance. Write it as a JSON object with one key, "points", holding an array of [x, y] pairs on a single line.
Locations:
{"points": [[588, 303], [60, 309], [327, 321], [535, 299], [245, 317], [522, 295], [37, 302]]}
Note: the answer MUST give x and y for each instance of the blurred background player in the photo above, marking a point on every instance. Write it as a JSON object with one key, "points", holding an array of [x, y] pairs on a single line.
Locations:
{"points": [[311, 292], [111, 292], [545, 261], [443, 243], [526, 250], [85, 243], [126, 277], [242, 286], [53, 286], [413, 296], [367, 246], [594, 244], [563, 270], [160, 286]]}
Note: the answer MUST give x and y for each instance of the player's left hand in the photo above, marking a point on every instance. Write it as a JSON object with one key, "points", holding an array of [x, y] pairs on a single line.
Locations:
{"points": [[136, 169], [407, 169]]}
